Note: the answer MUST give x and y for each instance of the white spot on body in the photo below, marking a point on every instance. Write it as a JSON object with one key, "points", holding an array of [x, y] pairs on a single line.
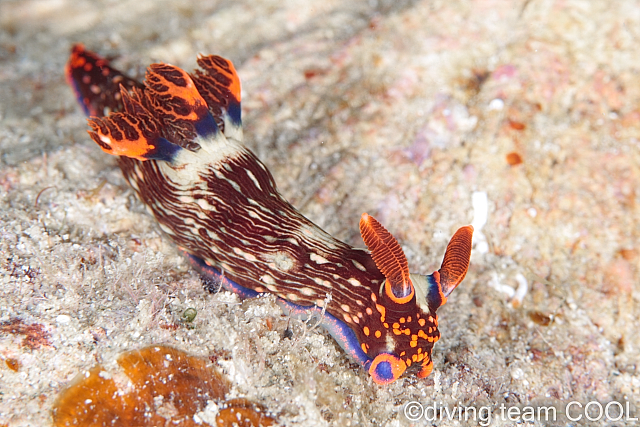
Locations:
{"points": [[291, 297], [201, 214], [358, 265], [345, 308], [234, 185], [205, 205], [165, 228], [245, 255], [324, 283], [253, 178], [307, 291], [354, 282], [318, 259], [279, 260], [267, 279]]}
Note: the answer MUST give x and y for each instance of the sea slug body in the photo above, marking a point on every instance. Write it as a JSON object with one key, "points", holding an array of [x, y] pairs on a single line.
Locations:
{"points": [[179, 141]]}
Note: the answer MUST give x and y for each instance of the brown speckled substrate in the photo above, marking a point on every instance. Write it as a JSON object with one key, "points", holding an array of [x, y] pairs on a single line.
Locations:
{"points": [[402, 110]]}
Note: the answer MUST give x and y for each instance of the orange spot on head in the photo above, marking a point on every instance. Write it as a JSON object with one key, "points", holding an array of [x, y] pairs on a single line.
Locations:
{"points": [[413, 343], [378, 334], [422, 322], [163, 79], [382, 311], [366, 330]]}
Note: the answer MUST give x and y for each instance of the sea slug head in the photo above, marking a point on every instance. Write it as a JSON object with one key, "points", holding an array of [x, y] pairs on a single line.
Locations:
{"points": [[408, 302]]}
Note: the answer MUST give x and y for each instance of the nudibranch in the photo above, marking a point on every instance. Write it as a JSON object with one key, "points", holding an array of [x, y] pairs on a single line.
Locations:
{"points": [[178, 136]]}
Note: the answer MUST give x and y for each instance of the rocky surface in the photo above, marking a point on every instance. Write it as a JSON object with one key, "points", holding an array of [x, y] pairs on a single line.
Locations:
{"points": [[404, 110]]}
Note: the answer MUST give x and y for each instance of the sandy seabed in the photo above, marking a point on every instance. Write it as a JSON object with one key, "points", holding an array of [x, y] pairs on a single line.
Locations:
{"points": [[404, 110]]}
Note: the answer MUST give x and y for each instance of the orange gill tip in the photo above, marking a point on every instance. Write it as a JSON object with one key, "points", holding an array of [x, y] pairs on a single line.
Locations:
{"points": [[456, 259], [389, 258], [122, 134], [76, 60], [386, 368], [235, 87], [218, 64], [166, 78]]}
